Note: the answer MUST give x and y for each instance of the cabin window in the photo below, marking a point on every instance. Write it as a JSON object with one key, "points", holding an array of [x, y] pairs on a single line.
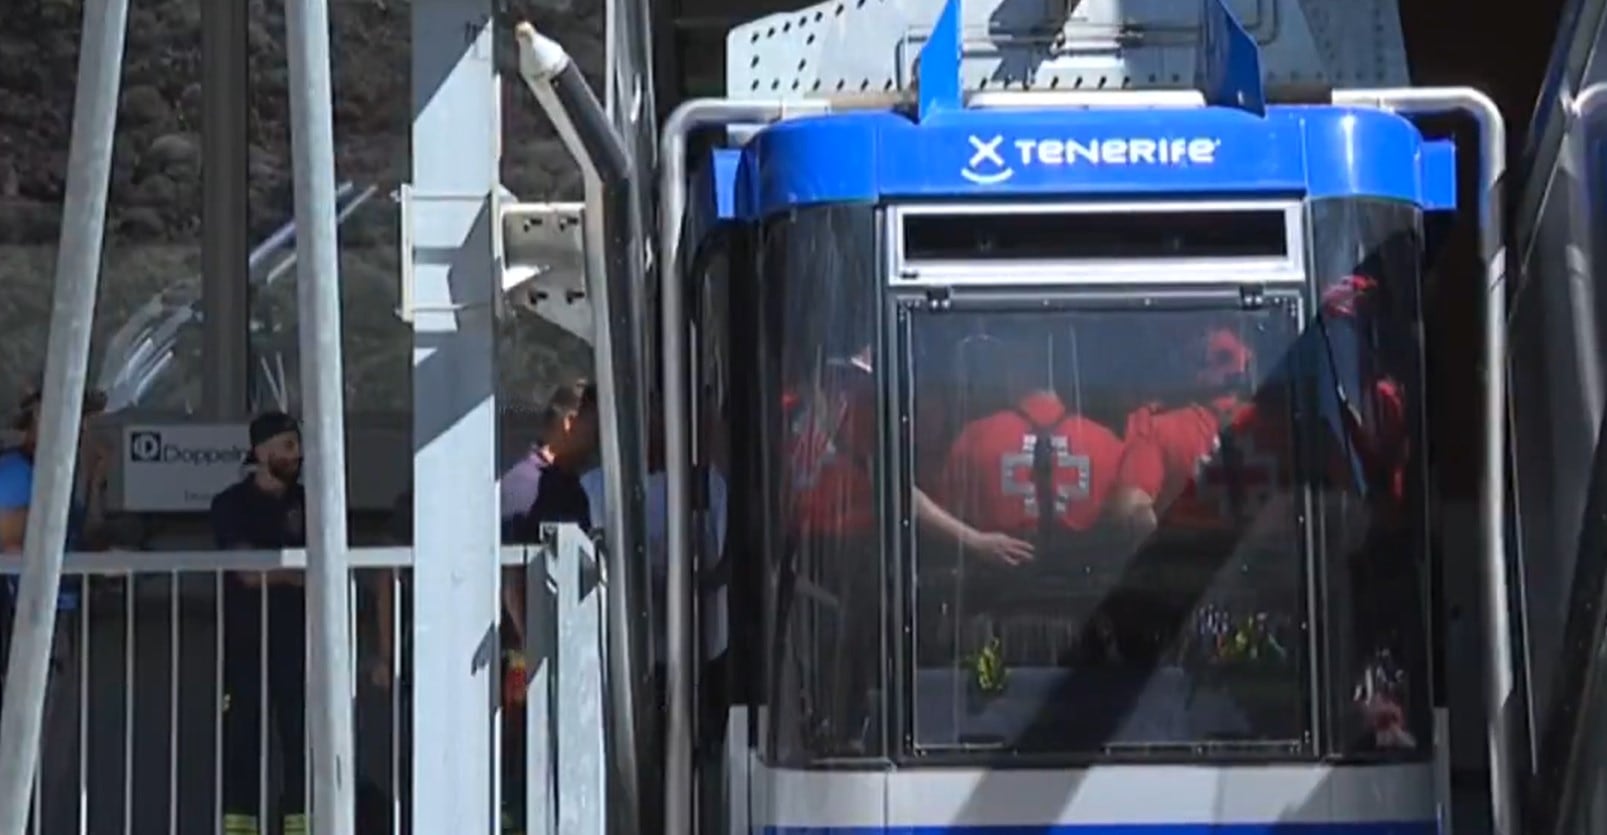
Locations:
{"points": [[1133, 481]]}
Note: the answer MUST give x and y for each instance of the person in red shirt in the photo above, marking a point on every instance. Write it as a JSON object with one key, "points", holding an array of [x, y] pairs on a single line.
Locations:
{"points": [[1371, 401], [832, 437], [831, 431], [832, 455], [1367, 343], [1211, 464], [1178, 460], [1033, 469]]}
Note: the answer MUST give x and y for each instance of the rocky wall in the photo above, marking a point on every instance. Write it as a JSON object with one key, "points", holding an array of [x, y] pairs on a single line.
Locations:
{"points": [[150, 288]]}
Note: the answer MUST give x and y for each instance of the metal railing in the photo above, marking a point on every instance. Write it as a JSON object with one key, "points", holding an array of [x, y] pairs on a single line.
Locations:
{"points": [[145, 673]]}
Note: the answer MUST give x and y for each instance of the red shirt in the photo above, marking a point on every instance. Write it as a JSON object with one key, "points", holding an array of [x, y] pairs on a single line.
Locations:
{"points": [[1175, 455], [831, 437], [989, 477], [1382, 437]]}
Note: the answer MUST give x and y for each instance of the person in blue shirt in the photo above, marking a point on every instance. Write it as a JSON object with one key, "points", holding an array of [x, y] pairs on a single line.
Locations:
{"points": [[16, 487]]}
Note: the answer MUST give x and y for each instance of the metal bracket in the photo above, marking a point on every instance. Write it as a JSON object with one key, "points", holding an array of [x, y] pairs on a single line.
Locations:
{"points": [[544, 265], [406, 196], [541, 254]]}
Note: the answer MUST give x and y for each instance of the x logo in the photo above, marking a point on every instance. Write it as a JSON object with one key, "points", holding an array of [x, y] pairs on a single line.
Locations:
{"points": [[986, 151]]}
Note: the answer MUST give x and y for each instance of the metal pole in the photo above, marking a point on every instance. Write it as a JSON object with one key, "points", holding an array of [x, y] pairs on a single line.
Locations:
{"points": [[225, 254], [1500, 668], [680, 631], [632, 107], [89, 163], [329, 688], [613, 277]]}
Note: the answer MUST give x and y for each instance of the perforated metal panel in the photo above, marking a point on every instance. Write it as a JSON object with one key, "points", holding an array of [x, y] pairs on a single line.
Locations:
{"points": [[543, 263], [846, 47]]}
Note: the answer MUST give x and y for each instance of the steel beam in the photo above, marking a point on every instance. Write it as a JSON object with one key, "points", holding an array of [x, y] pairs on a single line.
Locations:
{"points": [[72, 313], [452, 269], [225, 252]]}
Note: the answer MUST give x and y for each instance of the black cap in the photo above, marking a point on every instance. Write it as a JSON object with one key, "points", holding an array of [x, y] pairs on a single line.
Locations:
{"points": [[267, 426]]}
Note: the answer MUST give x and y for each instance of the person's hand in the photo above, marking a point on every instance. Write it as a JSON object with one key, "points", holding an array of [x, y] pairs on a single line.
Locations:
{"points": [[1000, 548], [1133, 514], [1387, 721]]}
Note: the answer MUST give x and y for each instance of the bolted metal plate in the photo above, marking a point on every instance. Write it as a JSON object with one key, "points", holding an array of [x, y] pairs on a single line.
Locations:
{"points": [[544, 263], [857, 47]]}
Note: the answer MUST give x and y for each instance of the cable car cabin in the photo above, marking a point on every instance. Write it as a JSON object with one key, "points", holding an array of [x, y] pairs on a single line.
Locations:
{"points": [[1076, 463]]}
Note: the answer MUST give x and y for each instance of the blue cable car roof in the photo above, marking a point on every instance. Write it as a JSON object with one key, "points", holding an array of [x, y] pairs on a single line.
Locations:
{"points": [[1237, 146], [1301, 151]]}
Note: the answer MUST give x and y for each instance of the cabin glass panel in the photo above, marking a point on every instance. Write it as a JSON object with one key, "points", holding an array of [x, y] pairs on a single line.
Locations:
{"points": [[1175, 627], [1370, 506], [1155, 515], [824, 568]]}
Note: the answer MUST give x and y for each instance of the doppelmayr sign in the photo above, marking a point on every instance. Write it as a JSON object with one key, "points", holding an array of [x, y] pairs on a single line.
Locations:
{"points": [[178, 468]]}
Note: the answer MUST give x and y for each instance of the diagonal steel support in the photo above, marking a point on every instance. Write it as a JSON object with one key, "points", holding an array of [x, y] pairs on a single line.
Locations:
{"points": [[329, 685], [89, 164]]}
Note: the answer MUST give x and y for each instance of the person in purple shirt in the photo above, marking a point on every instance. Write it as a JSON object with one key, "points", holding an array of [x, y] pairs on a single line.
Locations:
{"points": [[527, 488], [521, 484]]}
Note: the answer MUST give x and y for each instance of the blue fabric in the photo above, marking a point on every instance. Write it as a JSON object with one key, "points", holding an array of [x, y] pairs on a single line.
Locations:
{"points": [[16, 481], [16, 488]]}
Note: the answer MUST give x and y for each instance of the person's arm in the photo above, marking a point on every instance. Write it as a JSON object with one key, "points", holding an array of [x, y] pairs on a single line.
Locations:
{"points": [[221, 516], [513, 602], [996, 546], [561, 499], [592, 485], [94, 507], [226, 533], [935, 519], [96, 461], [15, 487], [517, 490], [385, 593], [1139, 477], [385, 612]]}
